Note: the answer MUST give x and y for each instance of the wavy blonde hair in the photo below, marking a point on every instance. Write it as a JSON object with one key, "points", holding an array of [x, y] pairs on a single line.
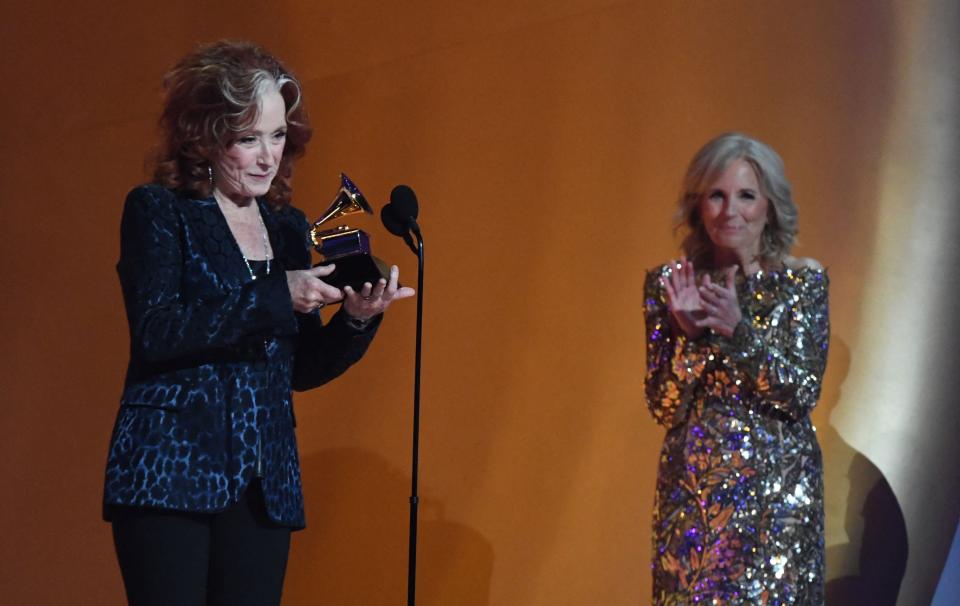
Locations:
{"points": [[779, 234], [211, 96]]}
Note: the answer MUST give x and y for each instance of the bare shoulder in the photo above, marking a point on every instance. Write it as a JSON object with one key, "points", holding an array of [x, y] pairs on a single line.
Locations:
{"points": [[802, 263]]}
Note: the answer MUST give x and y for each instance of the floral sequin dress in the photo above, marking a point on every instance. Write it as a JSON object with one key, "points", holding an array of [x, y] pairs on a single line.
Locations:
{"points": [[738, 517]]}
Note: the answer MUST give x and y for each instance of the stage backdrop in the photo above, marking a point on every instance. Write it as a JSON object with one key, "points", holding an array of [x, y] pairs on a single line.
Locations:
{"points": [[546, 141]]}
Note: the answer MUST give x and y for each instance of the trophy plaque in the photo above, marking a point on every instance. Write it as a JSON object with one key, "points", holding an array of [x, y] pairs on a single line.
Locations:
{"points": [[344, 246]]}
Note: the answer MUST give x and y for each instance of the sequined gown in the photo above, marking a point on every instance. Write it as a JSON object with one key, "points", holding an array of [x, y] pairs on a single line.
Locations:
{"points": [[738, 517]]}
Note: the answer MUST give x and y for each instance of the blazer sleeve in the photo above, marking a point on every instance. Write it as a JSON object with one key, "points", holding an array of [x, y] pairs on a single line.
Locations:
{"points": [[164, 324], [326, 351]]}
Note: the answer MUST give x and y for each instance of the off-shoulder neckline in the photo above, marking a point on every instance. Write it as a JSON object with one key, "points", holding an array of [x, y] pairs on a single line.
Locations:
{"points": [[787, 271], [764, 274]]}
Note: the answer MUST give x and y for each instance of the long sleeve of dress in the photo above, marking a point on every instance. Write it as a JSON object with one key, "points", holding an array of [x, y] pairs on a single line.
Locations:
{"points": [[163, 325], [675, 364], [782, 354]]}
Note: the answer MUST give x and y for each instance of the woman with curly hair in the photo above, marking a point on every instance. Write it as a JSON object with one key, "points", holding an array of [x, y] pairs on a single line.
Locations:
{"points": [[203, 478]]}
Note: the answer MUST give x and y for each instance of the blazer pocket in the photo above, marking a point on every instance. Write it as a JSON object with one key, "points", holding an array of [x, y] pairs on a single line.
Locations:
{"points": [[169, 393]]}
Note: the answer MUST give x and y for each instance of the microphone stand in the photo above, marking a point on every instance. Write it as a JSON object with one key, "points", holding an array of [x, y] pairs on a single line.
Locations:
{"points": [[414, 498]]}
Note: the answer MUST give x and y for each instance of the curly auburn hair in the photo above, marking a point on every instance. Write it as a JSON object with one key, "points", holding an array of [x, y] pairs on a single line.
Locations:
{"points": [[211, 96], [780, 232]]}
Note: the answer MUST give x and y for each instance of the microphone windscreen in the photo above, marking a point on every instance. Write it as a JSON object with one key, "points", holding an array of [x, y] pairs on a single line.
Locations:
{"points": [[404, 202], [394, 225]]}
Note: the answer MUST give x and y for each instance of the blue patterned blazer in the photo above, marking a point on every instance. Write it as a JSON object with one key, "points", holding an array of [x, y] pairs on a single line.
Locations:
{"points": [[214, 354]]}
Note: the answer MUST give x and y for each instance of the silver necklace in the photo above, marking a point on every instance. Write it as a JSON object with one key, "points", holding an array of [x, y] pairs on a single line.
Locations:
{"points": [[263, 233], [266, 248]]}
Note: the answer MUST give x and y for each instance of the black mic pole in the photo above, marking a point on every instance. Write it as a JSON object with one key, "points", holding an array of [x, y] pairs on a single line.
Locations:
{"points": [[400, 219], [414, 499]]}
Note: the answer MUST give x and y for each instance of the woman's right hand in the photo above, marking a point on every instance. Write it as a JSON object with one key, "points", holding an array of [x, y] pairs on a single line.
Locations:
{"points": [[308, 292], [683, 298]]}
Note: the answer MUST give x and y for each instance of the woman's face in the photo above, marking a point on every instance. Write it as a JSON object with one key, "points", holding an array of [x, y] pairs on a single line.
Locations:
{"points": [[734, 212], [246, 168]]}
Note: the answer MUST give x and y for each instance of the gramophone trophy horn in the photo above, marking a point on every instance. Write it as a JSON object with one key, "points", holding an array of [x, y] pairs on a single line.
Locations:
{"points": [[347, 247], [349, 200]]}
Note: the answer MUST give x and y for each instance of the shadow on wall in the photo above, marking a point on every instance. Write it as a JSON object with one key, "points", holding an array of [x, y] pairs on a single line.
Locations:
{"points": [[873, 560], [354, 551], [883, 544]]}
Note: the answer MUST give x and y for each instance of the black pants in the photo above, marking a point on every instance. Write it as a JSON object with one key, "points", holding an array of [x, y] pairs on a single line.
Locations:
{"points": [[236, 557]]}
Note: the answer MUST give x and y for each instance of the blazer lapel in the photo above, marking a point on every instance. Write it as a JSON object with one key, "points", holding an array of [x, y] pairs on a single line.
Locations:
{"points": [[216, 243], [287, 238]]}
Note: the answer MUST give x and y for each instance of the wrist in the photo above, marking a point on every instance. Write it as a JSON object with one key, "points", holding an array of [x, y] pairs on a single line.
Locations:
{"points": [[686, 327], [357, 322]]}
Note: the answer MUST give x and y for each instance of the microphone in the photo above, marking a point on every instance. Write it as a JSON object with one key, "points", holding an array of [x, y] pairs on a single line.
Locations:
{"points": [[403, 207], [399, 216]]}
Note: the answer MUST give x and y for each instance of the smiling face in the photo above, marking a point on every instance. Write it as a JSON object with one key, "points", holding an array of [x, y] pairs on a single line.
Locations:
{"points": [[246, 167], [734, 213]]}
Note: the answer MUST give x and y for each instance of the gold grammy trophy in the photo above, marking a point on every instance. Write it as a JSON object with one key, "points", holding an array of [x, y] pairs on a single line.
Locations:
{"points": [[347, 247]]}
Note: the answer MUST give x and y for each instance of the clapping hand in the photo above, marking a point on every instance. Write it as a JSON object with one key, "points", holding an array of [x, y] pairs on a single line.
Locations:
{"points": [[720, 304], [709, 305], [683, 298]]}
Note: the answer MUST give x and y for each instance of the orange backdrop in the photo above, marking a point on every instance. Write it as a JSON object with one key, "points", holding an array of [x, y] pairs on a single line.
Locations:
{"points": [[546, 141]]}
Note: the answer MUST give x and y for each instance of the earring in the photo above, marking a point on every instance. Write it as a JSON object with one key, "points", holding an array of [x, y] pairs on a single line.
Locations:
{"points": [[210, 175]]}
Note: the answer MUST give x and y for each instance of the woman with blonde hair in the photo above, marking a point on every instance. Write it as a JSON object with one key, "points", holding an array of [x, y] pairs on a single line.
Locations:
{"points": [[737, 336]]}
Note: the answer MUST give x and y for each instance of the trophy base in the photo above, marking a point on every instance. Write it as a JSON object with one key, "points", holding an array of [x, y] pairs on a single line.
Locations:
{"points": [[349, 249], [354, 270]]}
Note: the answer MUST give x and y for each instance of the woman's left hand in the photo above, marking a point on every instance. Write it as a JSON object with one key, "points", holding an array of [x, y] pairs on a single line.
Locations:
{"points": [[373, 300], [720, 304]]}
